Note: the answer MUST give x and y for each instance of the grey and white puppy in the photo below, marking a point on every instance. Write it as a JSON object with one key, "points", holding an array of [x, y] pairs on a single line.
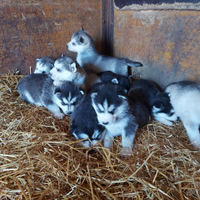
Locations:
{"points": [[158, 102], [90, 59], [44, 65], [120, 115], [66, 69], [38, 89], [185, 99]]}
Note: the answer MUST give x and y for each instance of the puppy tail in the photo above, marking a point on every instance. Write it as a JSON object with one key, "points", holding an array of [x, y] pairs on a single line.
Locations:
{"points": [[133, 64]]}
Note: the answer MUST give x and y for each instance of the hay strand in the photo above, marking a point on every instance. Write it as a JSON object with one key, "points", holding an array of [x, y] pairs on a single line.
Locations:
{"points": [[40, 159]]}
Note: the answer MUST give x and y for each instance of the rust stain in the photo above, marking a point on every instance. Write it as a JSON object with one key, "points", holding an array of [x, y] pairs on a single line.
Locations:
{"points": [[166, 42], [31, 29]]}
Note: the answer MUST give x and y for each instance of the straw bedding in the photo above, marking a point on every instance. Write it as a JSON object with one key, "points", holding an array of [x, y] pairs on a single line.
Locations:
{"points": [[39, 159]]}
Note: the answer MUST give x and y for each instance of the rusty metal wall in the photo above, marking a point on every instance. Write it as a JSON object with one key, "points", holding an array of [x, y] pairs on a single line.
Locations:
{"points": [[167, 42], [30, 29]]}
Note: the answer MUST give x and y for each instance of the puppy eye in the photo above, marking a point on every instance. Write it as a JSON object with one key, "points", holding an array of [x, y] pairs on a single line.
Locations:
{"points": [[59, 70], [113, 111], [73, 43], [99, 110], [64, 104], [75, 103]]}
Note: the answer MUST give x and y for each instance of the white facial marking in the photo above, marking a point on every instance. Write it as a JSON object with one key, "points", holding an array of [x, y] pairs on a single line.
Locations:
{"points": [[65, 100], [101, 107], [105, 105], [69, 97], [111, 108]]}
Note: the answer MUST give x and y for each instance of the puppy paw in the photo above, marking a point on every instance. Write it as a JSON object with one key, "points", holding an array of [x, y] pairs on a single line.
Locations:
{"points": [[58, 115], [196, 144], [166, 122], [126, 152]]}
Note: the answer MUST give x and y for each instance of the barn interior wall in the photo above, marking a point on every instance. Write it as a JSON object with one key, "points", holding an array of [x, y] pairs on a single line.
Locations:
{"points": [[31, 29], [167, 42]]}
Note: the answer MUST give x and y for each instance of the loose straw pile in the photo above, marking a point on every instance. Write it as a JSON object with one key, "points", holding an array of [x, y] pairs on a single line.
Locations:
{"points": [[40, 159]]}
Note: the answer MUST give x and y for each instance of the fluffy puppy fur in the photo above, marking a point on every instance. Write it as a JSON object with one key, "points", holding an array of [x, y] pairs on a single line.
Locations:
{"points": [[90, 59], [120, 80], [66, 69], [38, 89], [157, 101], [44, 65], [185, 99]]}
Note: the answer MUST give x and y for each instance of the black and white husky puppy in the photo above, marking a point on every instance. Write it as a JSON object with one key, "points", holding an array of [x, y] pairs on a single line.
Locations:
{"points": [[185, 99], [119, 115], [157, 101], [118, 79], [38, 89], [90, 59], [84, 123], [44, 65]]}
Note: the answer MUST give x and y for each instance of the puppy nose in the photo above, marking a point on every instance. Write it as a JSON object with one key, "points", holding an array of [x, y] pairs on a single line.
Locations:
{"points": [[69, 113], [105, 123]]}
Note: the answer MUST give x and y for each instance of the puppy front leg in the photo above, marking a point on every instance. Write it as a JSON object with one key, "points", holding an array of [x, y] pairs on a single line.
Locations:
{"points": [[193, 133], [55, 110], [108, 140], [127, 143]]}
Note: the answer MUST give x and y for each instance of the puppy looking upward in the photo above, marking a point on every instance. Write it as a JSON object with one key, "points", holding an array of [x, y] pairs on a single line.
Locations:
{"points": [[90, 59]]}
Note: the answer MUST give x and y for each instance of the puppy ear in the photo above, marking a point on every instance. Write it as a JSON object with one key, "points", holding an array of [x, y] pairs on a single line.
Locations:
{"points": [[93, 95], [81, 40], [82, 29], [122, 96], [81, 91], [73, 67], [114, 80]]}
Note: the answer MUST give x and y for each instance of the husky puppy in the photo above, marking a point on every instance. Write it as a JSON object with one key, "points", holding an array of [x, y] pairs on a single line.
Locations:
{"points": [[90, 59], [66, 69], [121, 80], [38, 89], [185, 99], [84, 123], [44, 65], [119, 115], [157, 101]]}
